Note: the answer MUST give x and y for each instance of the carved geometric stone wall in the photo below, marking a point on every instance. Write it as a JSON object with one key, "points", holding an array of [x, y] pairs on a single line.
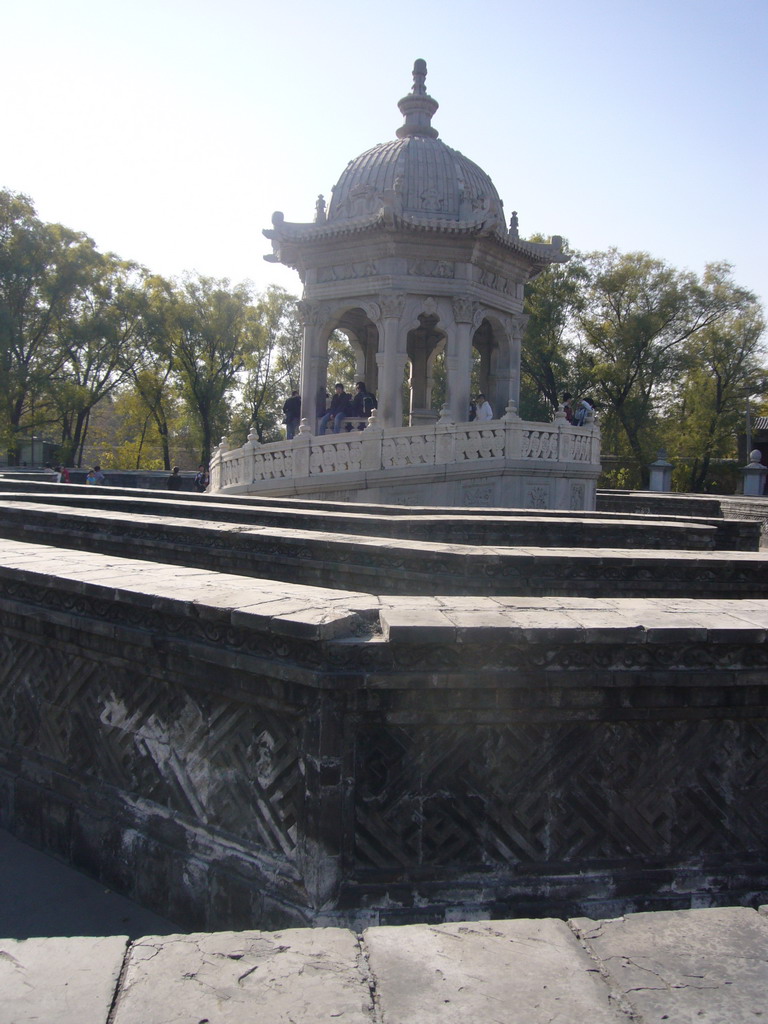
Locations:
{"points": [[381, 760]]}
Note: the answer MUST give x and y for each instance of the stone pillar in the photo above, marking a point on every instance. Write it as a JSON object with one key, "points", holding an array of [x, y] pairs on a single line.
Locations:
{"points": [[661, 473], [391, 360], [458, 359], [754, 475], [420, 399], [518, 326], [314, 362]]}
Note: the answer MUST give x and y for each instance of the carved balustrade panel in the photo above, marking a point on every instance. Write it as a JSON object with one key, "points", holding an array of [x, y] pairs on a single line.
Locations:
{"points": [[276, 464], [480, 443], [340, 455], [540, 444], [581, 450], [417, 449]]}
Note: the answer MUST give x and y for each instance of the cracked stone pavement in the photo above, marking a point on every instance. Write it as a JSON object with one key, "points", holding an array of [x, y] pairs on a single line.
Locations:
{"points": [[707, 966]]}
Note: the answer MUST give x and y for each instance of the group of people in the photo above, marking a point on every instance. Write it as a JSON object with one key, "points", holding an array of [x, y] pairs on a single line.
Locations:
{"points": [[94, 476], [345, 406], [583, 411], [175, 481]]}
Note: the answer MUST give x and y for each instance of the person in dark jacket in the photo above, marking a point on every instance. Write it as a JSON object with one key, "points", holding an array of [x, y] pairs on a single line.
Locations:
{"points": [[363, 403], [338, 411], [174, 481], [292, 415]]}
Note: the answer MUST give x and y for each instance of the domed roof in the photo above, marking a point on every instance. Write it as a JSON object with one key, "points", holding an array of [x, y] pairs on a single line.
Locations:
{"points": [[421, 177]]}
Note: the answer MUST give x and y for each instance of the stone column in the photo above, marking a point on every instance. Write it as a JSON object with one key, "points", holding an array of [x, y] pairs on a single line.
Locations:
{"points": [[518, 325], [314, 361], [391, 359], [458, 359]]}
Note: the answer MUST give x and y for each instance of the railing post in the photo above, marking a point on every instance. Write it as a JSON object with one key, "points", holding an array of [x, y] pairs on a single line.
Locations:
{"points": [[513, 431], [445, 438], [301, 450], [753, 475], [372, 438]]}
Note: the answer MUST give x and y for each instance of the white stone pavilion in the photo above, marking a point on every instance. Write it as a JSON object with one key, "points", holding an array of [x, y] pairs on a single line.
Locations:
{"points": [[413, 260]]}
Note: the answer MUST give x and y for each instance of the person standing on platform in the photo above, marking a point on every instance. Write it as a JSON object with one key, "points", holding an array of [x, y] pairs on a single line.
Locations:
{"points": [[484, 410], [174, 481], [292, 415]]}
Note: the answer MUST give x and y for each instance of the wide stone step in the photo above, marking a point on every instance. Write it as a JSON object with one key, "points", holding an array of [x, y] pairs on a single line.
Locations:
{"points": [[463, 526], [382, 565]]}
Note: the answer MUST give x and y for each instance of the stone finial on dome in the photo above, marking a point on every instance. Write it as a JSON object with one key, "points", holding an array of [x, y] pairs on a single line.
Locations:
{"points": [[418, 107]]}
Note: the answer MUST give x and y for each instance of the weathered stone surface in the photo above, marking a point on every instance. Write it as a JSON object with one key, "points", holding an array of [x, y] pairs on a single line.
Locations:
{"points": [[515, 972], [59, 980], [297, 976], [687, 967]]}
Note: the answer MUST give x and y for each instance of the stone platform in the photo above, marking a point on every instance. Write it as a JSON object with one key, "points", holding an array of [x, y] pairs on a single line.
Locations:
{"points": [[269, 714], [703, 966]]}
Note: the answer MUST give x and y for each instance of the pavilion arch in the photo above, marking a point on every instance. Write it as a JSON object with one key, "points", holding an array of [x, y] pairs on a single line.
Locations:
{"points": [[423, 344], [363, 336], [499, 367]]}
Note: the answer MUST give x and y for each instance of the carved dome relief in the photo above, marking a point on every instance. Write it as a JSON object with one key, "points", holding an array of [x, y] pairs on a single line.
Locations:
{"points": [[417, 177]]}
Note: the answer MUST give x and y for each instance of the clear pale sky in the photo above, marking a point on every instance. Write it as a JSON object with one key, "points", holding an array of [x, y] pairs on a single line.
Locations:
{"points": [[169, 130]]}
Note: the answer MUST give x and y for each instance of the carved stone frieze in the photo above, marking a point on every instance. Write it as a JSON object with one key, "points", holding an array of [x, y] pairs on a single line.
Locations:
{"points": [[347, 271], [494, 279], [431, 268]]}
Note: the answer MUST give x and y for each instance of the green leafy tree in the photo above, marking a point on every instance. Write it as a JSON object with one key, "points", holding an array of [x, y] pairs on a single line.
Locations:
{"points": [[151, 371], [549, 363], [272, 358], [209, 326], [638, 313], [724, 363], [43, 267], [97, 344]]}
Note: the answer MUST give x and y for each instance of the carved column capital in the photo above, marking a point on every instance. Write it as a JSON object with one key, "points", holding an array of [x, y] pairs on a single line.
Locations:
{"points": [[311, 313], [392, 304], [463, 309], [372, 311], [519, 322]]}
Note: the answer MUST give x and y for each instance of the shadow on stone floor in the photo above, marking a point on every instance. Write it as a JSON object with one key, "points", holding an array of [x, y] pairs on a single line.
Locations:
{"points": [[41, 896]]}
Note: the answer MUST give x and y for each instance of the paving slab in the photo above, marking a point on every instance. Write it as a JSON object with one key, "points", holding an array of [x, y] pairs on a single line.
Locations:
{"points": [[59, 980], [685, 967], [490, 972], [297, 976]]}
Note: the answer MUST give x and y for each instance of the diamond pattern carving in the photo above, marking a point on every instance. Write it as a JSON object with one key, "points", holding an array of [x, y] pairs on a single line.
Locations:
{"points": [[230, 766], [569, 793]]}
